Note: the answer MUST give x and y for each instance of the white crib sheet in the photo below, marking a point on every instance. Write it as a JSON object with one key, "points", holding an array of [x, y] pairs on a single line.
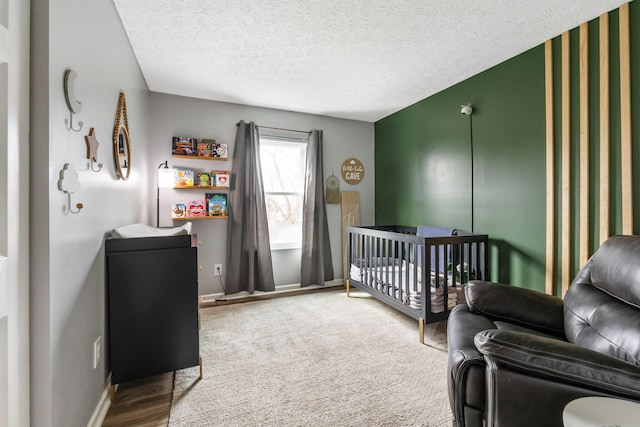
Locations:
{"points": [[403, 281]]}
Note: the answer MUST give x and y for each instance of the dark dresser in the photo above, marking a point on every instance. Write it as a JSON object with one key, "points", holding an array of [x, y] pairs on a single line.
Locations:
{"points": [[152, 291]]}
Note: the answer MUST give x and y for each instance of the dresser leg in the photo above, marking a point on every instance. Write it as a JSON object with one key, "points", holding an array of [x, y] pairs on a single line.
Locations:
{"points": [[200, 362], [112, 392], [421, 323], [347, 286]]}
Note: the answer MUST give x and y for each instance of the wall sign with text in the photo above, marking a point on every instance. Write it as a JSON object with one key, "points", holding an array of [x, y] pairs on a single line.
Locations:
{"points": [[352, 171]]}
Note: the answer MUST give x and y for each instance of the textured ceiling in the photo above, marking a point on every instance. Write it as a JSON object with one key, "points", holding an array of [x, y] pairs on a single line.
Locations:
{"points": [[356, 59]]}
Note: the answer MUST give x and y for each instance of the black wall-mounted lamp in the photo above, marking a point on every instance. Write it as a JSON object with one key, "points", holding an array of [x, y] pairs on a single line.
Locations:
{"points": [[467, 110]]}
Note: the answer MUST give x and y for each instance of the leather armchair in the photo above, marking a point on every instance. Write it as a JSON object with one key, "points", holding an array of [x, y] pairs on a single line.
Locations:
{"points": [[517, 357]]}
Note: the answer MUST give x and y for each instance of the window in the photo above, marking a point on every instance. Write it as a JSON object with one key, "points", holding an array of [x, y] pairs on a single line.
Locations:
{"points": [[283, 173]]}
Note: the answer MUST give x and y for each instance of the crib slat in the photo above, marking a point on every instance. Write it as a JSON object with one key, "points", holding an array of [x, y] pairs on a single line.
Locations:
{"points": [[477, 259]]}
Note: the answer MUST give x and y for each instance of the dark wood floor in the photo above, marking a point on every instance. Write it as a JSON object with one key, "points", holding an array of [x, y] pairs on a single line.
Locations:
{"points": [[142, 403]]}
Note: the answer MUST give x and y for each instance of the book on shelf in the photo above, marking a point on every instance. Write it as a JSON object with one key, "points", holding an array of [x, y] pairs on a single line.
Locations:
{"points": [[178, 211], [219, 151], [184, 146], [203, 179], [220, 178], [196, 208], [184, 178], [203, 148], [216, 204]]}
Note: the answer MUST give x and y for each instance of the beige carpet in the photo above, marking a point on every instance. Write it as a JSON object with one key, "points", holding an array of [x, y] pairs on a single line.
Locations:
{"points": [[314, 360]]}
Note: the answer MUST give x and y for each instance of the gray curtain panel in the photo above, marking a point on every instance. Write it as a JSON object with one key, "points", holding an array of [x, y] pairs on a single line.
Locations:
{"points": [[249, 266], [317, 265]]}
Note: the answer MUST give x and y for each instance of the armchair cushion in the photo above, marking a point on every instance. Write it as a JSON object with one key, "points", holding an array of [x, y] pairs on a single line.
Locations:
{"points": [[523, 307], [614, 268], [602, 322]]}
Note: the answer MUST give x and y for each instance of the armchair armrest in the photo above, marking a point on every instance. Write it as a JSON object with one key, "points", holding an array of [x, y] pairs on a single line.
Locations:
{"points": [[519, 306], [466, 368], [560, 361], [461, 330]]}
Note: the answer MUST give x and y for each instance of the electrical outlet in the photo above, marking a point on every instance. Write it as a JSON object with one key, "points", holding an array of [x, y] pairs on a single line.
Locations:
{"points": [[217, 270], [97, 351]]}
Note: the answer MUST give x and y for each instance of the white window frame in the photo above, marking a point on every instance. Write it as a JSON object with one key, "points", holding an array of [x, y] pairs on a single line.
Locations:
{"points": [[299, 144]]}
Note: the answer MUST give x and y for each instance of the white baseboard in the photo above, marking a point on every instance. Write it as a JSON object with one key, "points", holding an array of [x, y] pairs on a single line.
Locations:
{"points": [[99, 414], [283, 289]]}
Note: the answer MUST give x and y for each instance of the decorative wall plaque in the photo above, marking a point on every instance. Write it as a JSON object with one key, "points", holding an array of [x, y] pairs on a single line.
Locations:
{"points": [[333, 190], [352, 171]]}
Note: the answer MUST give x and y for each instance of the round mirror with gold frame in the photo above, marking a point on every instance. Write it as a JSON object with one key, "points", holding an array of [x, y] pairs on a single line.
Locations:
{"points": [[122, 140]]}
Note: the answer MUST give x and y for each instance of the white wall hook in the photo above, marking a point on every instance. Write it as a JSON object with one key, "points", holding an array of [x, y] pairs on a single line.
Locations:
{"points": [[92, 150], [73, 104], [70, 183]]}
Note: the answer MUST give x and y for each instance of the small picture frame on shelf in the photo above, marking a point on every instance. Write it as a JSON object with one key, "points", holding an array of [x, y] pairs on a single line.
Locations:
{"points": [[184, 146]]}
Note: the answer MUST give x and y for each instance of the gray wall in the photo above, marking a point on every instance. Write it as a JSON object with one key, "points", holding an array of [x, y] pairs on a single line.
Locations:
{"points": [[67, 255], [179, 116], [67, 251]]}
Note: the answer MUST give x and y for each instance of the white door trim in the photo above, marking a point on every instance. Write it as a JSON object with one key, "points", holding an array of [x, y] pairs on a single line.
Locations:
{"points": [[14, 202]]}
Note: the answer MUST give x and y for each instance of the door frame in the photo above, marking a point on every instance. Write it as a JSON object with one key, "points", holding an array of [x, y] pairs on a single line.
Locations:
{"points": [[14, 212]]}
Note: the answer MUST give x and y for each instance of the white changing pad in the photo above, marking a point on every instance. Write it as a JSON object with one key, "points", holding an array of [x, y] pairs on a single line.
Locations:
{"points": [[143, 230]]}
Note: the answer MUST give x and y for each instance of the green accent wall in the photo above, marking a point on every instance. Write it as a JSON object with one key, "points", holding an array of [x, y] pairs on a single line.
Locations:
{"points": [[423, 157], [423, 165]]}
